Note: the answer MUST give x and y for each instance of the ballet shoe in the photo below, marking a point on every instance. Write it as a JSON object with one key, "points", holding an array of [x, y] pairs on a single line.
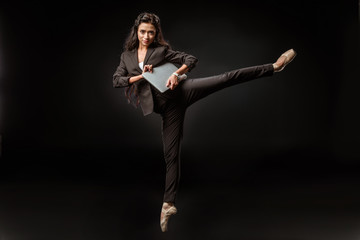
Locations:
{"points": [[284, 60], [166, 216]]}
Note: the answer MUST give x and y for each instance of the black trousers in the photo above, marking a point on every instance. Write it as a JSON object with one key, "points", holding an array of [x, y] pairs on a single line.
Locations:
{"points": [[173, 113]]}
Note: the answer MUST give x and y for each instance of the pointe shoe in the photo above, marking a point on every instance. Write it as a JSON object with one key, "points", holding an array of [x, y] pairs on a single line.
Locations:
{"points": [[166, 216], [284, 60]]}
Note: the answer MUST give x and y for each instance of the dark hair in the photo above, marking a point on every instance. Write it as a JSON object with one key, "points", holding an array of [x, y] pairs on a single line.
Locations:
{"points": [[132, 40]]}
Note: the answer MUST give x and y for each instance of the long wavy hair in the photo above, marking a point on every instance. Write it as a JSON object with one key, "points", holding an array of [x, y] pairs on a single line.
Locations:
{"points": [[132, 41]]}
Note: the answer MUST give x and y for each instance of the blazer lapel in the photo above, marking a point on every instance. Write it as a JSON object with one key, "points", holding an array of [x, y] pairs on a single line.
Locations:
{"points": [[135, 61], [135, 58], [148, 54]]}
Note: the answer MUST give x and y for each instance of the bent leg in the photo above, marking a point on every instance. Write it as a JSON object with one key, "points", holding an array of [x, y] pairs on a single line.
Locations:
{"points": [[198, 88], [172, 132]]}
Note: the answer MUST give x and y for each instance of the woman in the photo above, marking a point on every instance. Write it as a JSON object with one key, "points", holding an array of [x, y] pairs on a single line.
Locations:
{"points": [[146, 48]]}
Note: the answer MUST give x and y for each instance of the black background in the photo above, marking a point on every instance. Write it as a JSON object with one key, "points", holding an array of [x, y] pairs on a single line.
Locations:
{"points": [[275, 158]]}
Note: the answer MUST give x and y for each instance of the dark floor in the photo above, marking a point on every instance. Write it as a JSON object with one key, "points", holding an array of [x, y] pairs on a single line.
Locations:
{"points": [[49, 199]]}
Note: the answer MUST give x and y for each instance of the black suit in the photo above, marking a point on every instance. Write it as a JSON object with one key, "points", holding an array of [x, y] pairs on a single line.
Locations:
{"points": [[172, 104]]}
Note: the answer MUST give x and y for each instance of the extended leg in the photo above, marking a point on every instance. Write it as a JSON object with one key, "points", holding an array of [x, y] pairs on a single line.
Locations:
{"points": [[198, 88]]}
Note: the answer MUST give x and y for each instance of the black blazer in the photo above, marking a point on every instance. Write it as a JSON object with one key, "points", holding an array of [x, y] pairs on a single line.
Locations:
{"points": [[156, 56]]}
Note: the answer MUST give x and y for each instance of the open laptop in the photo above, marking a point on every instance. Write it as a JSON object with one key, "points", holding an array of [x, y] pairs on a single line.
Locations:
{"points": [[160, 75]]}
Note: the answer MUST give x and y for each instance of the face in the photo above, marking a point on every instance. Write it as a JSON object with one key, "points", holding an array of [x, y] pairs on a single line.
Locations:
{"points": [[146, 34]]}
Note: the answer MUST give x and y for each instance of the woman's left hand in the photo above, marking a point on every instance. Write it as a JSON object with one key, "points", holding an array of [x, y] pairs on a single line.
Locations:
{"points": [[172, 82]]}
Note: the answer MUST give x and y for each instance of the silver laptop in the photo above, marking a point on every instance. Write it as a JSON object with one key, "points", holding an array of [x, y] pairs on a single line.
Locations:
{"points": [[160, 75]]}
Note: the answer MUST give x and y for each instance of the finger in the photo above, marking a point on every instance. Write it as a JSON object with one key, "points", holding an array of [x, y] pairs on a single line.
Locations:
{"points": [[174, 84], [150, 68], [147, 68]]}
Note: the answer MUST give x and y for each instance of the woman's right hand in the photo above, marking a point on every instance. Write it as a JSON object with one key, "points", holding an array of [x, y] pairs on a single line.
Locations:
{"points": [[147, 68]]}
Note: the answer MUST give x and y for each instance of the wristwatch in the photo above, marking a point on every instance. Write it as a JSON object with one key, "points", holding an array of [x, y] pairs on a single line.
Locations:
{"points": [[176, 74]]}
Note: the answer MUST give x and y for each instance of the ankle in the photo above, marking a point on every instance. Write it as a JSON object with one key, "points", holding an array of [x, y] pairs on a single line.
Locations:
{"points": [[278, 67], [167, 205]]}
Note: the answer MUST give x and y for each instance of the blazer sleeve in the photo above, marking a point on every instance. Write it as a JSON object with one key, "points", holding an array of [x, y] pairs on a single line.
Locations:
{"points": [[181, 58], [121, 76]]}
